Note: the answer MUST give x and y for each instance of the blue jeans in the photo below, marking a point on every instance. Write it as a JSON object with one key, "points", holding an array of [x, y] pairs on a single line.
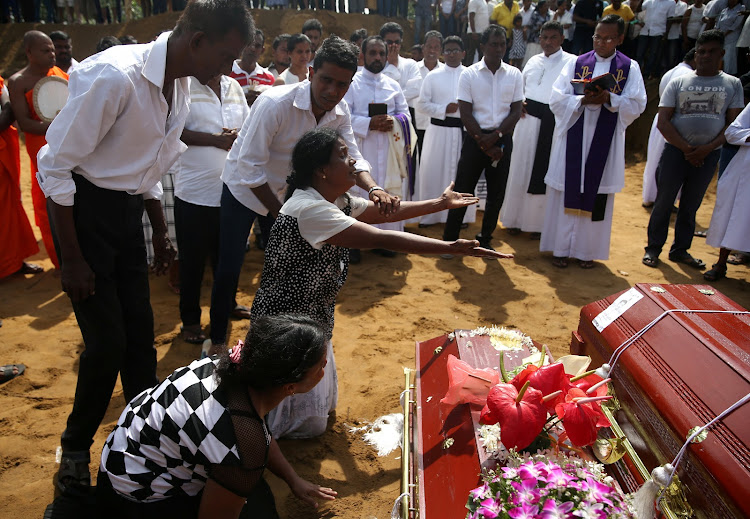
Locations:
{"points": [[422, 24], [653, 63], [447, 27], [235, 221], [676, 172]]}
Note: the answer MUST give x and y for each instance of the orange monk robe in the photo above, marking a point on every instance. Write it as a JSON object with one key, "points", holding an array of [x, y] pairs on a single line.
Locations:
{"points": [[17, 240], [34, 143]]}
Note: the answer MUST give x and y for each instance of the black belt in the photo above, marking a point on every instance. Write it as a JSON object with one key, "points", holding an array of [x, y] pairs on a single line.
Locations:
{"points": [[448, 122]]}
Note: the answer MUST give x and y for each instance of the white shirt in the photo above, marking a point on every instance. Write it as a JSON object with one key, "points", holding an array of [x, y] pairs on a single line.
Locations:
{"points": [[566, 106], [263, 149], [566, 19], [407, 76], [481, 16], [318, 219], [675, 31], [421, 120], [526, 15], [540, 74], [715, 7], [116, 130], [657, 12], [439, 89], [198, 178], [290, 78], [491, 94], [73, 65]]}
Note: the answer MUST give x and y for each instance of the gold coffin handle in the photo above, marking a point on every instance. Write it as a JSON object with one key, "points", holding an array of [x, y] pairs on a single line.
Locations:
{"points": [[674, 505], [406, 469]]}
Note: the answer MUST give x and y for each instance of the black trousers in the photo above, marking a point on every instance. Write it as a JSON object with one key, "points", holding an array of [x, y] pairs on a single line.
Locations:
{"points": [[674, 173], [470, 166], [116, 321], [197, 229]]}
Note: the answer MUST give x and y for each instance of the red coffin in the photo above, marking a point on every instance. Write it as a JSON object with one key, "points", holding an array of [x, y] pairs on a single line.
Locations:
{"points": [[445, 476], [681, 373]]}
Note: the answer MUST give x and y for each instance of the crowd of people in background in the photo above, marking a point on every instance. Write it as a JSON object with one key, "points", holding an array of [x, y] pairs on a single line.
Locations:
{"points": [[533, 100]]}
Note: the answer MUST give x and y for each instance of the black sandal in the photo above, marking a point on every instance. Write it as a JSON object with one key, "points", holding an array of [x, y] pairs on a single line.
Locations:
{"points": [[716, 273], [688, 260], [650, 260]]}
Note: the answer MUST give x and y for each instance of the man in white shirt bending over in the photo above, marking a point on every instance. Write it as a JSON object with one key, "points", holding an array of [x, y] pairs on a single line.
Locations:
{"points": [[107, 149], [258, 164]]}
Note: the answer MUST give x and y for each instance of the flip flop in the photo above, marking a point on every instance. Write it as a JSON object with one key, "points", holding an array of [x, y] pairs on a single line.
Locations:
{"points": [[514, 231], [586, 264], [700, 234], [560, 263], [687, 259], [192, 334], [650, 260], [738, 258], [6, 372], [30, 268], [241, 312]]}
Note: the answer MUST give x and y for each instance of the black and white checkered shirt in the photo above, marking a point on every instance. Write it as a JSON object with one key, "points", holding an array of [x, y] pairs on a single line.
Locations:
{"points": [[172, 437]]}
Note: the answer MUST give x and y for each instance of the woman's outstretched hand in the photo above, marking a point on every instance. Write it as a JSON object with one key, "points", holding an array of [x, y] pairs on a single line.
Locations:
{"points": [[455, 200], [472, 248], [311, 493]]}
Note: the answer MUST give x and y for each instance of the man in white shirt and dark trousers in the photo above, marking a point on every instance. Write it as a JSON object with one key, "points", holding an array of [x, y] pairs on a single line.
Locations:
{"points": [[258, 164], [107, 149], [650, 38], [490, 99]]}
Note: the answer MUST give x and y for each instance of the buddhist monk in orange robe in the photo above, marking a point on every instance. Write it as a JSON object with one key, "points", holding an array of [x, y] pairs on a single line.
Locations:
{"points": [[40, 52], [16, 236]]}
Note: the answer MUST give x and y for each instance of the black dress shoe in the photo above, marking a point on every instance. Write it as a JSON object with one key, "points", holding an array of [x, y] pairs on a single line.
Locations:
{"points": [[484, 242]]}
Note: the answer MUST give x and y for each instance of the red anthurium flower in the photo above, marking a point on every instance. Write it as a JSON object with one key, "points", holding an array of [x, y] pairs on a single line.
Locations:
{"points": [[547, 379], [593, 379], [520, 379], [581, 416], [487, 417], [521, 415]]}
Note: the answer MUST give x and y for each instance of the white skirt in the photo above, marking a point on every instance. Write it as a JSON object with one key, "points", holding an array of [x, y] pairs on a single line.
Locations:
{"points": [[520, 209], [306, 415], [573, 236], [730, 222]]}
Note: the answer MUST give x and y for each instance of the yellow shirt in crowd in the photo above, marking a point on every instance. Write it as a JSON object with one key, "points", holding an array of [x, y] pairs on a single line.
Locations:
{"points": [[501, 15], [623, 12]]}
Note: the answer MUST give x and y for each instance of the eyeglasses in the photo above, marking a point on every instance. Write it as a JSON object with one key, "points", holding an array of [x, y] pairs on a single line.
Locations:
{"points": [[451, 51], [598, 38], [393, 42]]}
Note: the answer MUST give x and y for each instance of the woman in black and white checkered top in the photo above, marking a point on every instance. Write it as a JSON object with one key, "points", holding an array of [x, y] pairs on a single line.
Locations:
{"points": [[307, 256], [196, 445]]}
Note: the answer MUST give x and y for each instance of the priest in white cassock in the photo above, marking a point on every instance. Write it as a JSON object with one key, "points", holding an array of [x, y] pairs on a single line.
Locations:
{"points": [[730, 223], [444, 135], [587, 163], [656, 140], [432, 48], [379, 110], [523, 207]]}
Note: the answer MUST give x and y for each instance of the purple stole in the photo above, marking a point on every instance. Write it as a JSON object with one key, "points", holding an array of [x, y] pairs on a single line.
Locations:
{"points": [[403, 120], [576, 201]]}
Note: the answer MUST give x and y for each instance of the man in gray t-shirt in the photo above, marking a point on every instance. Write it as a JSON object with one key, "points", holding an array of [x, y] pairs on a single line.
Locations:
{"points": [[693, 113]]}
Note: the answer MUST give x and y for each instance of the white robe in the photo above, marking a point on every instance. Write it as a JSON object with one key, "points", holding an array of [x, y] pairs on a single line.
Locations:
{"points": [[520, 209], [568, 235], [442, 146], [369, 88], [730, 223], [656, 140]]}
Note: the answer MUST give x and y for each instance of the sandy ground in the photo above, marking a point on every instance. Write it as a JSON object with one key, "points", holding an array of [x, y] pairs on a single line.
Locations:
{"points": [[386, 305]]}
